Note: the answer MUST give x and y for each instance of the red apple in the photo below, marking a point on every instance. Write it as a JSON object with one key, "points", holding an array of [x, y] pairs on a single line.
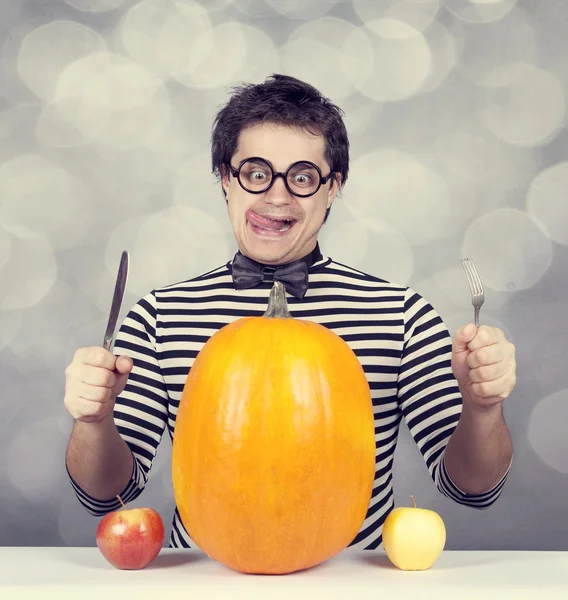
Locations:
{"points": [[130, 538]]}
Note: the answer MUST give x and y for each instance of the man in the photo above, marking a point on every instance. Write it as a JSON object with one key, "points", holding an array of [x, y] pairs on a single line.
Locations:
{"points": [[282, 154]]}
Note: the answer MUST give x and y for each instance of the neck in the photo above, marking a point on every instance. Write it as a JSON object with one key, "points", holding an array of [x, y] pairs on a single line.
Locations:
{"points": [[311, 257]]}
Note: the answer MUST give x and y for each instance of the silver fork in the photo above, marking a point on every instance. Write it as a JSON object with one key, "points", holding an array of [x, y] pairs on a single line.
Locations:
{"points": [[475, 285]]}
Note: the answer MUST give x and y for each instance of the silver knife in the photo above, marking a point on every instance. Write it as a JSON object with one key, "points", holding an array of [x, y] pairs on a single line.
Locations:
{"points": [[117, 297]]}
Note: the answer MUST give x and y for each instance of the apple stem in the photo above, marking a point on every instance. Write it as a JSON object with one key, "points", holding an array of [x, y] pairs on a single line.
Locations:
{"points": [[413, 501], [120, 500]]}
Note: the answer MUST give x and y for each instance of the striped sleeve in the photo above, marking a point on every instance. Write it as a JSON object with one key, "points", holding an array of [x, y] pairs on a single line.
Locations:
{"points": [[430, 398], [140, 412]]}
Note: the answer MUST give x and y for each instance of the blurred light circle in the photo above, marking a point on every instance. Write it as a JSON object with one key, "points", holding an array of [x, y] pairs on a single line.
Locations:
{"points": [[400, 191], [39, 197], [73, 103], [5, 246], [195, 186], [481, 170], [261, 56], [90, 334], [348, 242], [95, 275], [370, 245], [47, 50], [389, 255], [446, 290], [546, 201], [419, 14], [24, 287], [38, 443], [510, 250], [166, 37], [479, 11], [315, 50], [361, 114], [302, 9], [402, 61], [111, 82], [524, 106], [134, 128], [223, 55], [443, 50], [10, 324], [136, 166], [112, 99], [256, 9], [168, 246], [458, 175], [547, 430], [218, 5], [186, 131], [12, 86], [512, 40], [95, 5], [55, 129], [172, 147]]}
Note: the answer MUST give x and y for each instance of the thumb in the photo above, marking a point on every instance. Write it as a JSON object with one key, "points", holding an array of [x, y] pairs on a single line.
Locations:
{"points": [[460, 352], [124, 365], [463, 337]]}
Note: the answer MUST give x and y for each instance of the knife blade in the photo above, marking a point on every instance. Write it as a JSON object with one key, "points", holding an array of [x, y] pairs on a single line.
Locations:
{"points": [[119, 287]]}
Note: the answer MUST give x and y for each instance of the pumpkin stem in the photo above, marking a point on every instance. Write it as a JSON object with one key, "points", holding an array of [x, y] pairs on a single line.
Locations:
{"points": [[413, 501], [277, 305]]}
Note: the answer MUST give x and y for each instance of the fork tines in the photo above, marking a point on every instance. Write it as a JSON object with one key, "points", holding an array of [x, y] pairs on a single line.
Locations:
{"points": [[473, 277]]}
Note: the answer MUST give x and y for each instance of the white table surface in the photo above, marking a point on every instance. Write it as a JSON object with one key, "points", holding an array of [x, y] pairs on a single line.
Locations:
{"points": [[83, 573]]}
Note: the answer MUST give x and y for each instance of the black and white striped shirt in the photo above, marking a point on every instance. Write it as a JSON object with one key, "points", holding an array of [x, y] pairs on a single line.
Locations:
{"points": [[400, 340]]}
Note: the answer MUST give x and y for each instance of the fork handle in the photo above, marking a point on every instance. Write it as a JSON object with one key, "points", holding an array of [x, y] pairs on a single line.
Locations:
{"points": [[476, 315]]}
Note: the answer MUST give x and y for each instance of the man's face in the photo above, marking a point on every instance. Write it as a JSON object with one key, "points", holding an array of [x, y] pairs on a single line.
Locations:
{"points": [[276, 227]]}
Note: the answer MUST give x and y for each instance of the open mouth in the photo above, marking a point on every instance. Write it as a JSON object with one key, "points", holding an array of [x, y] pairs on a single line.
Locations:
{"points": [[270, 225]]}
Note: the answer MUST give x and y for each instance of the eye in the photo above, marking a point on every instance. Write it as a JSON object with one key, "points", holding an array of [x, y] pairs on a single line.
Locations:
{"points": [[302, 178], [258, 175]]}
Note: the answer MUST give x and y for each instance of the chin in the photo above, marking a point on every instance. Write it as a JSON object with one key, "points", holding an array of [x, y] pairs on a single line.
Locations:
{"points": [[267, 253]]}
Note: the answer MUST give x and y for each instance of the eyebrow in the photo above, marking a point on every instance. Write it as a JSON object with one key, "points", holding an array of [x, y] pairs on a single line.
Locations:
{"points": [[297, 163], [259, 161]]}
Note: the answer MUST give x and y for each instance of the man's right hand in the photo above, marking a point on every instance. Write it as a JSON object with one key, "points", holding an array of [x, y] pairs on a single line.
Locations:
{"points": [[93, 380]]}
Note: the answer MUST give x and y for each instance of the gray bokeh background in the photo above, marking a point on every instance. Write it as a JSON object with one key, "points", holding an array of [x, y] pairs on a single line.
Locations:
{"points": [[457, 113]]}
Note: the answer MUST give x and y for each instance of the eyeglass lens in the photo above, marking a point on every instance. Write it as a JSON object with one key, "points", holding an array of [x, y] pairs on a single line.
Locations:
{"points": [[256, 176]]}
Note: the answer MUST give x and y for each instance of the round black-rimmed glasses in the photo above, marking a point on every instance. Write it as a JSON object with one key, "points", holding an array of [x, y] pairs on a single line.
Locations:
{"points": [[256, 176]]}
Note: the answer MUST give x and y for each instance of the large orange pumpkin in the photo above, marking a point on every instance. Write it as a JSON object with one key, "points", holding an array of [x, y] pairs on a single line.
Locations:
{"points": [[274, 446]]}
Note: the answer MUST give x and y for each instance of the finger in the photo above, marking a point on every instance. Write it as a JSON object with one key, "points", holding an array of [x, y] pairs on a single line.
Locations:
{"points": [[488, 372], [96, 356], [90, 412], [486, 336], [491, 389], [97, 376], [124, 364], [462, 337], [487, 355], [93, 393]]}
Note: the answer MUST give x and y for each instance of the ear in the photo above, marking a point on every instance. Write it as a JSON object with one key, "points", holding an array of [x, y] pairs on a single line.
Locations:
{"points": [[333, 189], [225, 179]]}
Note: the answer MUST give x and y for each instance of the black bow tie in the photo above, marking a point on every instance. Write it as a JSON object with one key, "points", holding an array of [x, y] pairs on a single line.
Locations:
{"points": [[248, 273]]}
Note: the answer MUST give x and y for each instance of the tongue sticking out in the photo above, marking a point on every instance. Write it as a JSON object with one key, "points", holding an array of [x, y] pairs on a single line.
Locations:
{"points": [[266, 223]]}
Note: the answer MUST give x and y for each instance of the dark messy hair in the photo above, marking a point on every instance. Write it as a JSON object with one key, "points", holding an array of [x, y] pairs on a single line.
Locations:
{"points": [[281, 100]]}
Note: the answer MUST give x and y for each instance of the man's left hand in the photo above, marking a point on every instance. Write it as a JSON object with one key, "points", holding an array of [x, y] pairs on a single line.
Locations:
{"points": [[483, 362]]}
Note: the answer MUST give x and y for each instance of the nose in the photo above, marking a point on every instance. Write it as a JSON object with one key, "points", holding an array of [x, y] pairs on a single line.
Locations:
{"points": [[278, 194]]}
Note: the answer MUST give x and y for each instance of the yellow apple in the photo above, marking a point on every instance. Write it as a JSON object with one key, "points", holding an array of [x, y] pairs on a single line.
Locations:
{"points": [[413, 538]]}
